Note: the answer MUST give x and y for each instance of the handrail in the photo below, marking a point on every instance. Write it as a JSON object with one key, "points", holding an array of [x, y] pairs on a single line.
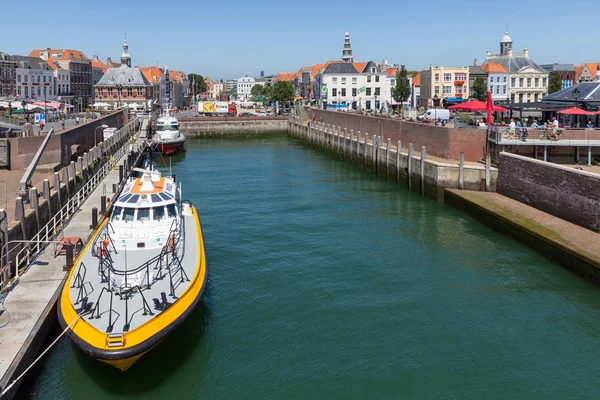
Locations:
{"points": [[56, 224]]}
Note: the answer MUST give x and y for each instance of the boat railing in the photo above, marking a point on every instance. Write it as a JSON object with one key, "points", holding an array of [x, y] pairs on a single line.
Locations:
{"points": [[168, 261]]}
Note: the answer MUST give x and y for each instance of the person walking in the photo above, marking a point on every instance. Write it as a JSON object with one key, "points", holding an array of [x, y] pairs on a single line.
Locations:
{"points": [[77, 120]]}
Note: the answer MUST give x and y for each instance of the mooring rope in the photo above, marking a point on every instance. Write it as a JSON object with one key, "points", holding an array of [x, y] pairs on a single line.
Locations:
{"points": [[43, 353]]}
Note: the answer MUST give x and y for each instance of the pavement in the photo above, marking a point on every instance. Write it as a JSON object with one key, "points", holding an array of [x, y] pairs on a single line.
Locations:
{"points": [[30, 299]]}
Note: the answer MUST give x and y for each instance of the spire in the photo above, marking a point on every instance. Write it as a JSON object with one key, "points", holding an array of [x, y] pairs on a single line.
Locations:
{"points": [[505, 43], [125, 57], [347, 50]]}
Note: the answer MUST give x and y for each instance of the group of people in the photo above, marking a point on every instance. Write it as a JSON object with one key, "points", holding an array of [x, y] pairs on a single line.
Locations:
{"points": [[518, 128]]}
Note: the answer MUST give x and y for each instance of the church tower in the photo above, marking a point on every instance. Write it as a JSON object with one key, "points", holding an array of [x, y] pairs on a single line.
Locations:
{"points": [[125, 57], [347, 50], [505, 44]]}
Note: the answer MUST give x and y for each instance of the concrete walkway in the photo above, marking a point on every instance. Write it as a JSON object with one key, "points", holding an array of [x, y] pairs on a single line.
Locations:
{"points": [[31, 301], [573, 241]]}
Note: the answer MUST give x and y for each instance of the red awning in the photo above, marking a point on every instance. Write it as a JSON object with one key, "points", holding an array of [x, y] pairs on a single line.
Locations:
{"points": [[574, 111], [475, 105]]}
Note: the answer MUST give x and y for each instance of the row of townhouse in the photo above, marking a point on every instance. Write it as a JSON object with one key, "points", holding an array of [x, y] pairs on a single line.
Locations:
{"points": [[69, 77]]}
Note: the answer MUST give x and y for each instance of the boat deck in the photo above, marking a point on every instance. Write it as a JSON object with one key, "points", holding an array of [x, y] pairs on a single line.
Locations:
{"points": [[127, 289]]}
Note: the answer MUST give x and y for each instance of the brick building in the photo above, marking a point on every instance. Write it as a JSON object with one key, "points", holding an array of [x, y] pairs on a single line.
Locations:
{"points": [[8, 68], [124, 86]]}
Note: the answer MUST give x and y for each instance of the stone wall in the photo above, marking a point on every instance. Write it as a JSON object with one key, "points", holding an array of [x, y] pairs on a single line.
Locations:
{"points": [[412, 167], [440, 141], [562, 191], [63, 146], [211, 126]]}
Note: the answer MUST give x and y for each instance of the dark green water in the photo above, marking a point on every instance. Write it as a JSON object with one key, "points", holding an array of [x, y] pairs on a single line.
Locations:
{"points": [[328, 283]]}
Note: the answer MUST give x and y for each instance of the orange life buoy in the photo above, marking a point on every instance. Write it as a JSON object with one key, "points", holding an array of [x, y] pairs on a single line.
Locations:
{"points": [[104, 247], [171, 243]]}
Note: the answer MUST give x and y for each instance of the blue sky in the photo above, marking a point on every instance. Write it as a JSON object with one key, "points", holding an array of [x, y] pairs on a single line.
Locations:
{"points": [[235, 38]]}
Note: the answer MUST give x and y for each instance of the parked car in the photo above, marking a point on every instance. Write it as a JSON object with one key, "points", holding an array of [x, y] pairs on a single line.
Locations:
{"points": [[435, 115], [246, 114]]}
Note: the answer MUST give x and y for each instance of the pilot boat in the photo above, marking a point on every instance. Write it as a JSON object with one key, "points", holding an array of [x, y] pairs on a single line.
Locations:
{"points": [[168, 139], [139, 276]]}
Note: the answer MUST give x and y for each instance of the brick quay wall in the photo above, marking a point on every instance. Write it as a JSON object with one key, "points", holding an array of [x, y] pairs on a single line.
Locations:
{"points": [[562, 191], [428, 176], [440, 141]]}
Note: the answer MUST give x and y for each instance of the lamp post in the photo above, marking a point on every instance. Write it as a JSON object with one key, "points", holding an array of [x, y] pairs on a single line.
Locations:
{"points": [[23, 104], [104, 126], [119, 88], [575, 95], [436, 104]]}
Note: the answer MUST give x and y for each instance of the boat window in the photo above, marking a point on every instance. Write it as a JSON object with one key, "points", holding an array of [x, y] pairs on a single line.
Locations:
{"points": [[143, 214], [159, 213], [155, 198], [126, 197], [133, 198], [163, 128], [128, 214], [116, 216], [165, 196], [171, 210]]}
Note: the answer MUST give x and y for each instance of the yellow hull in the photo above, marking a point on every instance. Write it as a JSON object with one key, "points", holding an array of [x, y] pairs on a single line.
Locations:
{"points": [[125, 363], [139, 341]]}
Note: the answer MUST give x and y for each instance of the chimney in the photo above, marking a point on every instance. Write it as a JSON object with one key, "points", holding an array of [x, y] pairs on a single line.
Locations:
{"points": [[474, 62], [262, 74], [95, 58], [488, 54], [526, 52]]}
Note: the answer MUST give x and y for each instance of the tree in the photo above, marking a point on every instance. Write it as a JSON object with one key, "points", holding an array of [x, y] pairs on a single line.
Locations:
{"points": [[401, 91], [555, 83], [257, 90], [233, 93], [480, 89], [283, 91], [267, 92], [197, 83]]}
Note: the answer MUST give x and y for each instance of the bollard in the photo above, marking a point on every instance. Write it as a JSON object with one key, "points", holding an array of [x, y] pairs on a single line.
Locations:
{"points": [[114, 188], [387, 157], [102, 205], [120, 173], [94, 224], [69, 255], [398, 148], [366, 151], [409, 161], [461, 171], [422, 169], [488, 172]]}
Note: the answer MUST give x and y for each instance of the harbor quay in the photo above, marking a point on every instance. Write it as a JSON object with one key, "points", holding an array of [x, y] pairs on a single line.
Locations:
{"points": [[65, 213], [231, 126], [547, 206]]}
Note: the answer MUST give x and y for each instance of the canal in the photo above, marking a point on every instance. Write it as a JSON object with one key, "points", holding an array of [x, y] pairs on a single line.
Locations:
{"points": [[326, 282]]}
